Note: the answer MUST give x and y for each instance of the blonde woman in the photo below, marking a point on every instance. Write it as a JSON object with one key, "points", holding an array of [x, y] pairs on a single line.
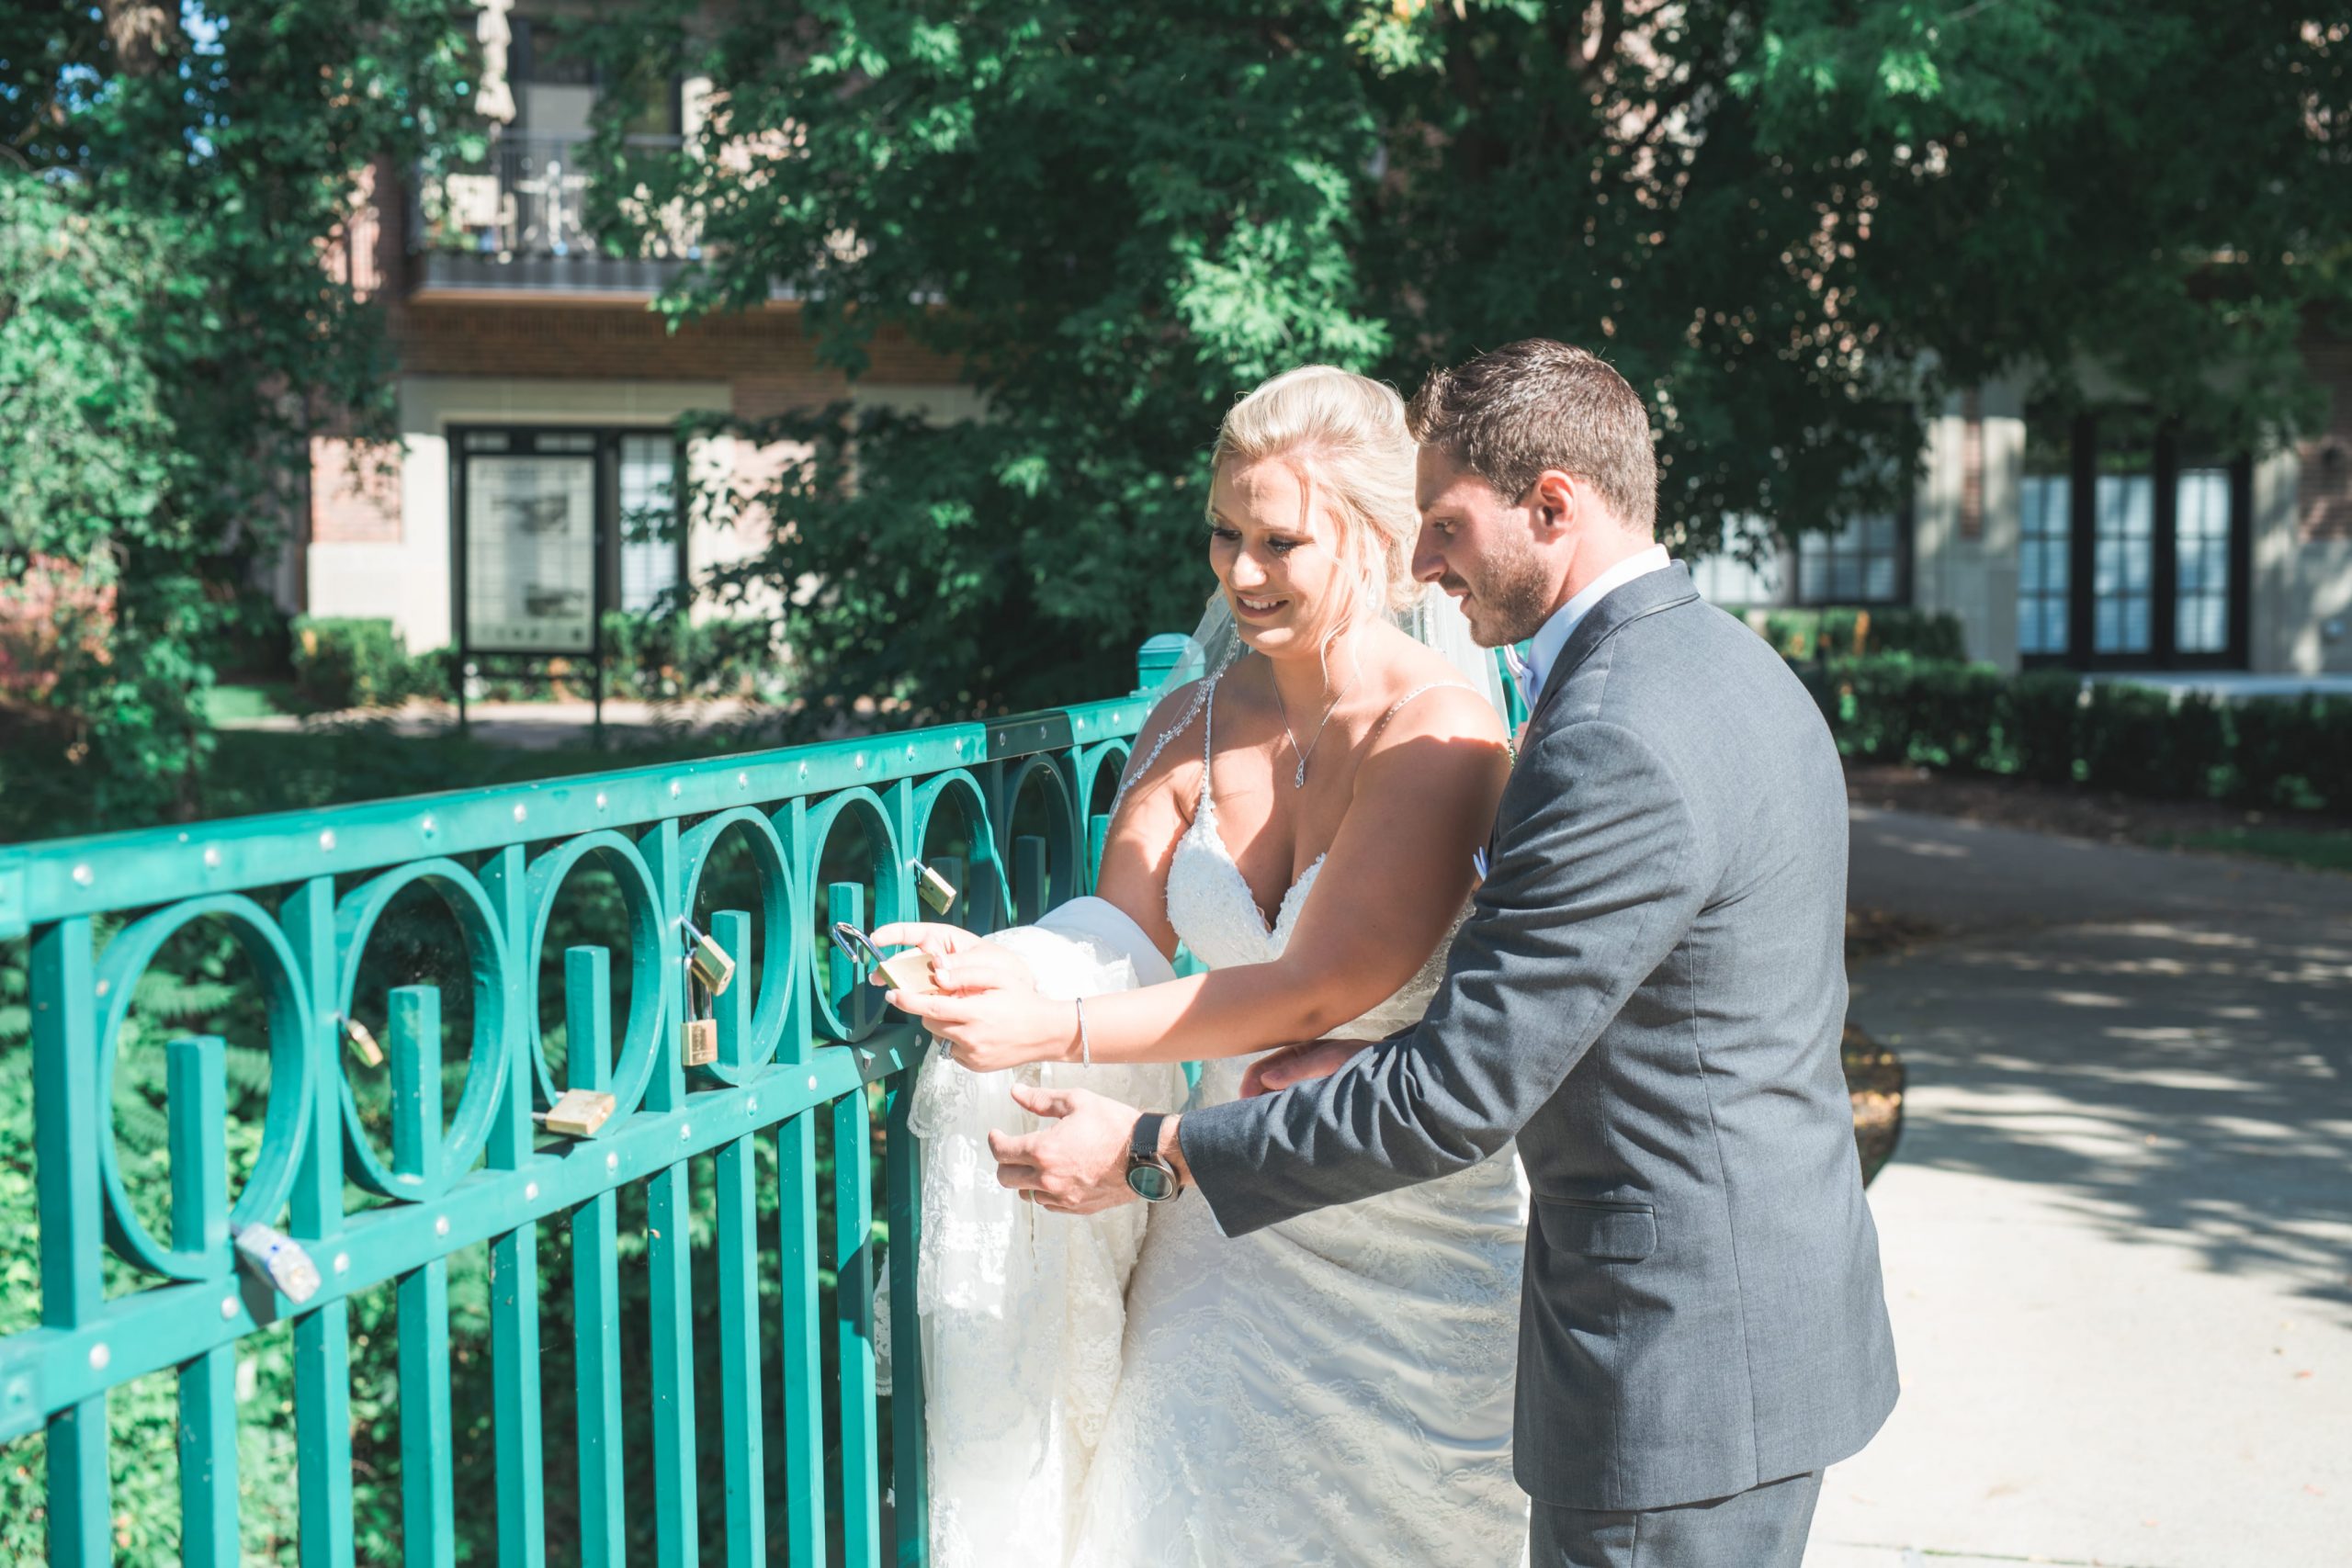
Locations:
{"points": [[1337, 1388]]}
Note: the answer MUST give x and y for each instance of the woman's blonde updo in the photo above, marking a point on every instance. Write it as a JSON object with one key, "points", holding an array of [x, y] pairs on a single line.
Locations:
{"points": [[1344, 436]]}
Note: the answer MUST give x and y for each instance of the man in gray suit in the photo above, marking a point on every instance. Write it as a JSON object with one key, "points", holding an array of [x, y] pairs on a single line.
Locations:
{"points": [[1648, 994]]}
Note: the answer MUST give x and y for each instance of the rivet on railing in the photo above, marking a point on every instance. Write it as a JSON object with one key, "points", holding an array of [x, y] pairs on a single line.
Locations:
{"points": [[612, 1162], [229, 1307], [428, 826], [343, 1263], [753, 1104], [105, 986], [959, 748], [212, 857], [520, 811], [685, 1131], [531, 1193], [441, 1226], [674, 788], [742, 780], [81, 876], [804, 770], [99, 1357], [326, 839], [600, 800], [812, 1080], [861, 761], [911, 753]]}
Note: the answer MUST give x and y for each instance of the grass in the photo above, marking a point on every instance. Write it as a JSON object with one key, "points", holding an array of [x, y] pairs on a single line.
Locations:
{"points": [[2314, 849], [231, 704]]}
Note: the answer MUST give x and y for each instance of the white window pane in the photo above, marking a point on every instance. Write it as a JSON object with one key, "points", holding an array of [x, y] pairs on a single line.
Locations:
{"points": [[648, 521], [1878, 532], [1879, 583]]}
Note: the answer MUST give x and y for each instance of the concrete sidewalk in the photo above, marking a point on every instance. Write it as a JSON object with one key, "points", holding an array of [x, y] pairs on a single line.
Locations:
{"points": [[2118, 1231]]}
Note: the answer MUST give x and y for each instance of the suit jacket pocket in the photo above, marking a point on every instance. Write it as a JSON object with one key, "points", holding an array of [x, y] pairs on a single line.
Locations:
{"points": [[1607, 1232]]}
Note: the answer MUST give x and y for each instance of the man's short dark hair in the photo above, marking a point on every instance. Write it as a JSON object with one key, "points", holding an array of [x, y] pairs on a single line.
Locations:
{"points": [[1535, 405]]}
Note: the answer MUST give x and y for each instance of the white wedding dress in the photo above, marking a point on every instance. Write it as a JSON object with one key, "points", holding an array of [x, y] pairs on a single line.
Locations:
{"points": [[1334, 1390]]}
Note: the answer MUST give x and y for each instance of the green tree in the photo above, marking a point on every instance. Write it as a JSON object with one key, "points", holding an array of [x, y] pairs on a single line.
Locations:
{"points": [[1788, 222], [170, 331]]}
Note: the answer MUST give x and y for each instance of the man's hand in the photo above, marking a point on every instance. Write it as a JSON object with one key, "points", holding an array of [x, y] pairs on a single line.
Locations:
{"points": [[1078, 1166], [1278, 1070]]}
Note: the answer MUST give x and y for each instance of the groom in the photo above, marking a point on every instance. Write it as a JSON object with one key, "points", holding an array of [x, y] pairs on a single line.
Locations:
{"points": [[1649, 996]]}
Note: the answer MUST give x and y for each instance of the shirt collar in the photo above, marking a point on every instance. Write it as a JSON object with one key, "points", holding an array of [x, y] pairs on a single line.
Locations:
{"points": [[1554, 635]]}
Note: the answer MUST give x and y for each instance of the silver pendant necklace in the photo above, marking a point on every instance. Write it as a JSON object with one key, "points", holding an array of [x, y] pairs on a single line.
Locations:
{"points": [[1298, 776]]}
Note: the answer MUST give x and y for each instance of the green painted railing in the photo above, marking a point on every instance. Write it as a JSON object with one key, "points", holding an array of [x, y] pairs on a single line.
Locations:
{"points": [[798, 1042]]}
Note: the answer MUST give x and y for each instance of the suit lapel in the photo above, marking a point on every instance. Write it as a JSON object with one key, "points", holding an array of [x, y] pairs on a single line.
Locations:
{"points": [[1645, 595]]}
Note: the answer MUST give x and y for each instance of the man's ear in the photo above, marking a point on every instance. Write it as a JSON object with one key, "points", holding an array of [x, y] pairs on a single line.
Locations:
{"points": [[1558, 498]]}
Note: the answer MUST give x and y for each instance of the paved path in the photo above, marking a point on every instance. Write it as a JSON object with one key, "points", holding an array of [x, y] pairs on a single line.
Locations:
{"points": [[2118, 1231]]}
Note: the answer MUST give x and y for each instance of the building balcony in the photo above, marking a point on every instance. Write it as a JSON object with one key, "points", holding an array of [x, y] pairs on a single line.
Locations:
{"points": [[518, 222]]}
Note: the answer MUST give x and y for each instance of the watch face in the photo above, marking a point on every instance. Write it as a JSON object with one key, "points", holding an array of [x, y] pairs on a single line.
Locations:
{"points": [[1151, 1183]]}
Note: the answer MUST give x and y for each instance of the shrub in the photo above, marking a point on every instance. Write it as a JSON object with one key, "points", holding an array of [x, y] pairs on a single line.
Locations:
{"points": [[2053, 728], [350, 663], [1848, 632]]}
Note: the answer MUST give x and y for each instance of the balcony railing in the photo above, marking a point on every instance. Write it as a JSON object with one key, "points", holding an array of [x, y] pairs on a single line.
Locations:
{"points": [[519, 220], [363, 1168]]}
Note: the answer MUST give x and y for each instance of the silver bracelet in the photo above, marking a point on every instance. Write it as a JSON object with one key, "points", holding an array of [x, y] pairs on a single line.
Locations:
{"points": [[1085, 1046]]}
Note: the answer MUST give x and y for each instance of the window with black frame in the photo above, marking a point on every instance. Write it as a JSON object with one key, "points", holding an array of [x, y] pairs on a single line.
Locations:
{"points": [[556, 526], [1865, 561], [2133, 543]]}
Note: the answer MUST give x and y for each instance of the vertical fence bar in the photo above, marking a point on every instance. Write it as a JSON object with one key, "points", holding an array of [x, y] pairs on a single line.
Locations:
{"points": [[596, 1273], [514, 1257], [1029, 878], [323, 1338], [67, 1124], [844, 902], [197, 1081], [795, 1170], [428, 1513], [741, 1413], [668, 1249], [909, 1457], [853, 1325]]}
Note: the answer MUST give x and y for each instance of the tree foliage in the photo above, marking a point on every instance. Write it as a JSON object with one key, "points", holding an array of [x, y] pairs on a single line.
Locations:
{"points": [[1790, 222], [170, 331]]}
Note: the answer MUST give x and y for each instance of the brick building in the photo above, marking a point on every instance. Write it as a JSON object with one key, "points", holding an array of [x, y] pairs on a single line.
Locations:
{"points": [[538, 397]]}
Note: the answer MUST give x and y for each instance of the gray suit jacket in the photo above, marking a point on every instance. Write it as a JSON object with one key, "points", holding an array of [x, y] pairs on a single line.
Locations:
{"points": [[1649, 995]]}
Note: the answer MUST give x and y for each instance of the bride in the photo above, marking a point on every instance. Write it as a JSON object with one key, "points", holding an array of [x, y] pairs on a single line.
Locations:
{"points": [[1132, 1388]]}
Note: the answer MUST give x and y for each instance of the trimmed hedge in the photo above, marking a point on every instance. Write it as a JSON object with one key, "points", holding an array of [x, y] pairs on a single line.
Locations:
{"points": [[351, 663], [1848, 632], [2290, 752]]}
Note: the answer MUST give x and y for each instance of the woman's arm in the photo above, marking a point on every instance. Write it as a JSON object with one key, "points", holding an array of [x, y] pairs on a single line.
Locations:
{"points": [[1398, 874]]}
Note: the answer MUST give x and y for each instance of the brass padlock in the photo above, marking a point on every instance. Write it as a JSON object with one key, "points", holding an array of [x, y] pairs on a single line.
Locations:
{"points": [[933, 889], [697, 1037], [363, 1042], [710, 962], [578, 1113], [908, 970]]}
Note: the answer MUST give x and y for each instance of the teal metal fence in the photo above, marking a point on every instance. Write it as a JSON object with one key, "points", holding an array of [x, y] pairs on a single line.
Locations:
{"points": [[798, 1045]]}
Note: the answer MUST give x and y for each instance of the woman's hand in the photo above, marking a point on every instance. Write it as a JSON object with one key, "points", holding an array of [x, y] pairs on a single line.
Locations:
{"points": [[958, 958], [1278, 1070], [987, 1009]]}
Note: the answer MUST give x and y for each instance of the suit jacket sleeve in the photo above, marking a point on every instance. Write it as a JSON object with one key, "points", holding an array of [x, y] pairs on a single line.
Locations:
{"points": [[1593, 885]]}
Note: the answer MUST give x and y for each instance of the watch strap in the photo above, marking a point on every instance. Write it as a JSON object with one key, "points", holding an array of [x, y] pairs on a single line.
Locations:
{"points": [[1147, 1139]]}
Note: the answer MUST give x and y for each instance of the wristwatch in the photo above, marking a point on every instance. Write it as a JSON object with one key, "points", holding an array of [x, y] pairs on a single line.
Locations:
{"points": [[1149, 1177]]}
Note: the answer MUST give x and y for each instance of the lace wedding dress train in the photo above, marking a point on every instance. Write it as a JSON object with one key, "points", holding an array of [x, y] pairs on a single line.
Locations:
{"points": [[1335, 1389]]}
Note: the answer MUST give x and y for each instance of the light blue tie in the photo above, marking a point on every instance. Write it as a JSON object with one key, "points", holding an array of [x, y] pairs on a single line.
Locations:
{"points": [[1530, 683]]}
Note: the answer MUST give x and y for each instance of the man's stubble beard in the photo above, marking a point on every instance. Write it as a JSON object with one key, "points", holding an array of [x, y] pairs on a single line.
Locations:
{"points": [[1514, 594]]}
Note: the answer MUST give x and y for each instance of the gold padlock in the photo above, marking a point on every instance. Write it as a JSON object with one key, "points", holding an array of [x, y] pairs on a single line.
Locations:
{"points": [[578, 1113], [906, 971], [711, 963], [363, 1042], [701, 1047], [933, 889]]}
